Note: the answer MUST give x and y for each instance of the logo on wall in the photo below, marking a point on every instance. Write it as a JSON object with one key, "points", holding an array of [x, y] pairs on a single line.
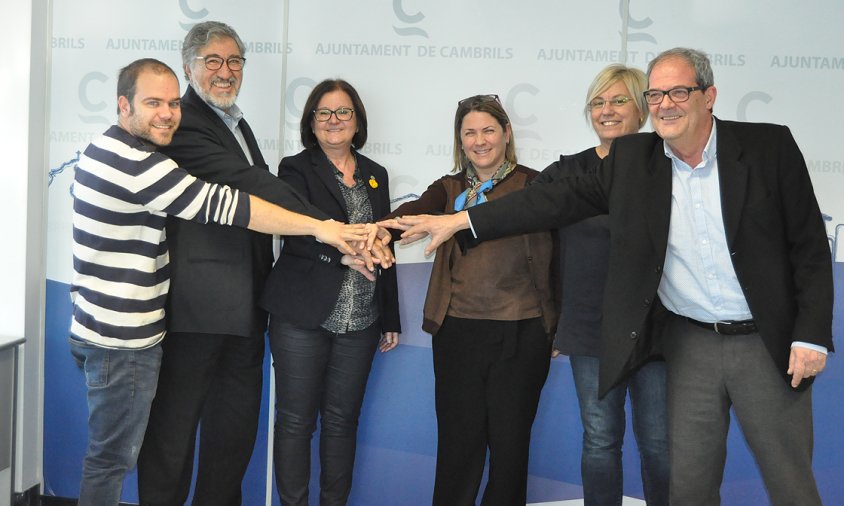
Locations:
{"points": [[52, 173], [636, 24], [403, 181], [93, 107], [836, 240], [404, 17], [744, 103], [302, 85], [518, 120], [191, 14]]}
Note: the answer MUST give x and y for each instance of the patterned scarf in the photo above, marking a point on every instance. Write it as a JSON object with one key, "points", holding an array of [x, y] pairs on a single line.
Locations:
{"points": [[474, 194]]}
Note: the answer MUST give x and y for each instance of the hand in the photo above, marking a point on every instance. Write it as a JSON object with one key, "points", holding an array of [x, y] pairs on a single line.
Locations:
{"points": [[359, 264], [555, 353], [371, 234], [340, 235], [384, 235], [804, 363], [382, 254], [362, 253], [392, 223], [388, 341], [399, 223], [440, 228], [374, 249]]}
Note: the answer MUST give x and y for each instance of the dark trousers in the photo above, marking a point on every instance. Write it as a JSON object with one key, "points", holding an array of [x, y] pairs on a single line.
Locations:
{"points": [[708, 374], [318, 373], [489, 375], [208, 380]]}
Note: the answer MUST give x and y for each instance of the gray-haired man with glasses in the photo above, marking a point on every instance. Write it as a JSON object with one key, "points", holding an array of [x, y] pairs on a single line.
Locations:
{"points": [[719, 261], [211, 370]]}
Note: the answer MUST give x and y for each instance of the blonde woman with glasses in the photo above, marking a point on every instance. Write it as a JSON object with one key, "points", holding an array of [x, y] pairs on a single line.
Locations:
{"points": [[615, 106]]}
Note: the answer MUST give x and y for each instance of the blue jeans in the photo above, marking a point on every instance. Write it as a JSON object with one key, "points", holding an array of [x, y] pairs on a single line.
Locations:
{"points": [[121, 385], [603, 431], [321, 373]]}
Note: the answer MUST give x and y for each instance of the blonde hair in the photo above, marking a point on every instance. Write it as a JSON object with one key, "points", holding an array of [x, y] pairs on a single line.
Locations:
{"points": [[633, 78]]}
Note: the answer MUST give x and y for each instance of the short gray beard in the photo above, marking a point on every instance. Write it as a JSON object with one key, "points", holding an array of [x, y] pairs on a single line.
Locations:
{"points": [[219, 104]]}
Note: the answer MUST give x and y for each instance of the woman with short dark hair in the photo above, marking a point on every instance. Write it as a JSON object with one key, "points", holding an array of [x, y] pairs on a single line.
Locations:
{"points": [[326, 319]]}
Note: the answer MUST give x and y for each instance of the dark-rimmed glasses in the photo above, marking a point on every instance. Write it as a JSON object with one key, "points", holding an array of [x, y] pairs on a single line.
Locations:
{"points": [[342, 114], [216, 63], [477, 99], [618, 101], [677, 95]]}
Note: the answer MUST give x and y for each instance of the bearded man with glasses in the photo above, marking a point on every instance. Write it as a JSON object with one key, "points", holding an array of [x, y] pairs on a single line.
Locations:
{"points": [[211, 370]]}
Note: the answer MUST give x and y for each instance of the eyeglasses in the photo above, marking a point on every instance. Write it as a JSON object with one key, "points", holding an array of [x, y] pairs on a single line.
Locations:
{"points": [[599, 103], [342, 113], [216, 63], [477, 99], [677, 95]]}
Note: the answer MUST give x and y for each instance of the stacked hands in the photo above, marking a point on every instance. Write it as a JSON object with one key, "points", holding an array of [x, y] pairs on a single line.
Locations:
{"points": [[363, 245]]}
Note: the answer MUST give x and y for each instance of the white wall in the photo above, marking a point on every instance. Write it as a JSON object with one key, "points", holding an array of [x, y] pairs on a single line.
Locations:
{"points": [[24, 29]]}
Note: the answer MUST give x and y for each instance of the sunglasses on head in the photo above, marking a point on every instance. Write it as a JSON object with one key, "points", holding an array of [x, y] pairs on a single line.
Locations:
{"points": [[477, 99]]}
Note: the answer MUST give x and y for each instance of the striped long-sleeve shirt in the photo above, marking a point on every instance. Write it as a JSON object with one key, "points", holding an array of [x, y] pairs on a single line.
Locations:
{"points": [[122, 192]]}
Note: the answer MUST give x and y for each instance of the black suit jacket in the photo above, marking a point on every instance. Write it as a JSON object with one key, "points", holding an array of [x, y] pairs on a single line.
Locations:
{"points": [[305, 282], [774, 229], [217, 272]]}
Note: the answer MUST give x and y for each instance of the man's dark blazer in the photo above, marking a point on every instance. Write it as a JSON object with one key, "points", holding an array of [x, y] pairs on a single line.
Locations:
{"points": [[218, 272], [775, 234], [303, 286]]}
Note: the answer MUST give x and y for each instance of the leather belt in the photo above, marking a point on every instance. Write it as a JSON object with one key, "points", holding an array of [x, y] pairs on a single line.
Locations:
{"points": [[727, 328]]}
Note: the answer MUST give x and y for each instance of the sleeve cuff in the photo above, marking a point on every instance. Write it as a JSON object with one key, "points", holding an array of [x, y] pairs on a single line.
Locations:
{"points": [[471, 227], [816, 347]]}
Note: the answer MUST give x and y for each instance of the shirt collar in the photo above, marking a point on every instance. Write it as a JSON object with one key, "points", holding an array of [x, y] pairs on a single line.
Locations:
{"points": [[231, 117]]}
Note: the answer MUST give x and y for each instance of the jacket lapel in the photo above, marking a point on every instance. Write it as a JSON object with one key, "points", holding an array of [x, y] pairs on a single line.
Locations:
{"points": [[368, 180], [659, 188], [325, 173], [227, 137], [251, 143], [732, 176]]}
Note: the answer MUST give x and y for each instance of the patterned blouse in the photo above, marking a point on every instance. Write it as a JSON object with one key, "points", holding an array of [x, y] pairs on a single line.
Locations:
{"points": [[355, 308]]}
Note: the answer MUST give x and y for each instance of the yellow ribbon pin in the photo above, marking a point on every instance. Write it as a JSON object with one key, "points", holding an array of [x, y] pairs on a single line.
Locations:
{"points": [[372, 182]]}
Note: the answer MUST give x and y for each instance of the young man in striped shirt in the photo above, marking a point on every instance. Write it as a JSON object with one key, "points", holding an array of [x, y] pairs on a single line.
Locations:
{"points": [[123, 190]]}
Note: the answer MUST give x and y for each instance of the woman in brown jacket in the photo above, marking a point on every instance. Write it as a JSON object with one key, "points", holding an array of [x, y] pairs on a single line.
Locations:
{"points": [[491, 311]]}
